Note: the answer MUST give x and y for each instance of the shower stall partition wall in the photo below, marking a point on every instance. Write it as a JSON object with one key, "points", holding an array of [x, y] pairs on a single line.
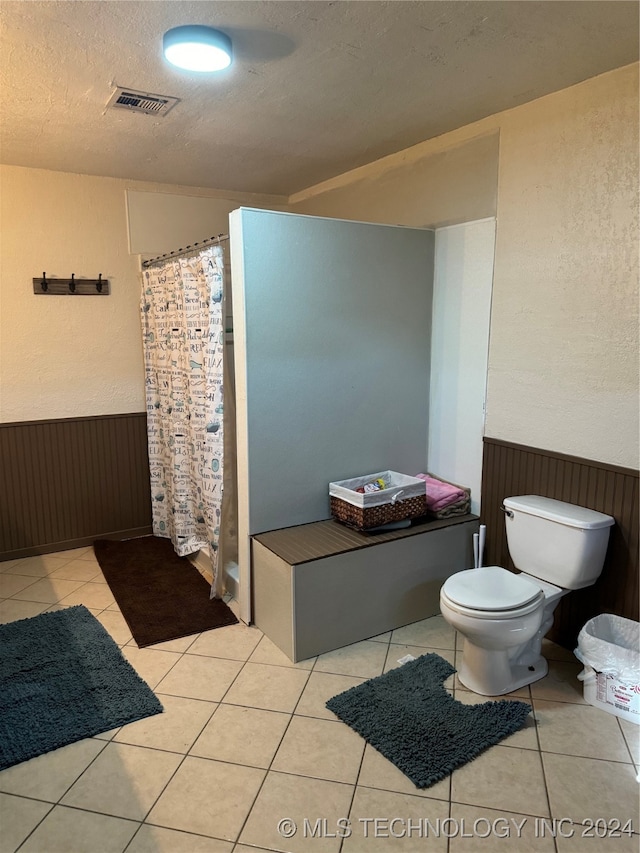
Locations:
{"points": [[332, 338]]}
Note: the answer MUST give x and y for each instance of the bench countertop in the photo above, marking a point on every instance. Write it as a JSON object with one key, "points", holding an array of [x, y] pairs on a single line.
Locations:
{"points": [[320, 539]]}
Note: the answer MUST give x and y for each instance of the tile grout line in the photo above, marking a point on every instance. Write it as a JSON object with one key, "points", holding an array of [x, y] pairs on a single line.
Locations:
{"points": [[106, 743], [542, 767], [58, 802], [628, 745], [184, 757], [180, 763], [456, 642], [293, 713], [42, 819], [268, 769], [304, 776], [357, 779], [187, 754]]}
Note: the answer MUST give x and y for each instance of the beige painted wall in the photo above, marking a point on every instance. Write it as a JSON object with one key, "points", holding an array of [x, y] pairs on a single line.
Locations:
{"points": [[563, 366], [161, 222], [444, 181], [63, 356], [563, 359]]}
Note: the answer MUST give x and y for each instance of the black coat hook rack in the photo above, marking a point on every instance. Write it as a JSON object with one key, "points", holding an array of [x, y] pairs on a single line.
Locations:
{"points": [[71, 286]]}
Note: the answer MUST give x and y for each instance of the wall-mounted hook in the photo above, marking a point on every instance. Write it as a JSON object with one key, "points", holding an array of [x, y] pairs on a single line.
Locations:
{"points": [[71, 286]]}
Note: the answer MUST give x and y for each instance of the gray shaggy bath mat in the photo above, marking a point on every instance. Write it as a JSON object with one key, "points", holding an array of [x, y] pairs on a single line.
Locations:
{"points": [[62, 678], [409, 717]]}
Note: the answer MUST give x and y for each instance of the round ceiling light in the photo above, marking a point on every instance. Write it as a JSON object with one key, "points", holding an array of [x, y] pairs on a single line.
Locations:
{"points": [[197, 48]]}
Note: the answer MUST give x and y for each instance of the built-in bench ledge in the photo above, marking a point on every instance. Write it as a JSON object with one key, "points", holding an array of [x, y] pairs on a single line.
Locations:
{"points": [[321, 586]]}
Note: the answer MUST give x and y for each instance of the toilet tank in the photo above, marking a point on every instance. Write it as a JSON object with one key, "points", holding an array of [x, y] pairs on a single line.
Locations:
{"points": [[556, 541]]}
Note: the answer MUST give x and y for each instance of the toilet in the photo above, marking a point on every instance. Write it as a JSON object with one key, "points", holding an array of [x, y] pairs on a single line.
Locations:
{"points": [[504, 616]]}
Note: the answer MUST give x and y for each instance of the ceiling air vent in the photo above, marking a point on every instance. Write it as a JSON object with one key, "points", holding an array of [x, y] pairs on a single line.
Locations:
{"points": [[141, 102]]}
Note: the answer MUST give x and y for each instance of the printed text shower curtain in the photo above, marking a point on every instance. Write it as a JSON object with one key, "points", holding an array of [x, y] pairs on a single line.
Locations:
{"points": [[183, 333]]}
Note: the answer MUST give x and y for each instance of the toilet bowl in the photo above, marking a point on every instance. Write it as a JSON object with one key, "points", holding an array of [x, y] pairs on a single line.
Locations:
{"points": [[504, 616]]}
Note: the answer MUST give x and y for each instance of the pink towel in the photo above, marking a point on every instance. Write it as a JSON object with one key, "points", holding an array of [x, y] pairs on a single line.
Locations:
{"points": [[439, 494]]}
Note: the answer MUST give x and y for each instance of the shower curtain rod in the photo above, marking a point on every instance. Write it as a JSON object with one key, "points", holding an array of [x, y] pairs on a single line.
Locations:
{"points": [[188, 250]]}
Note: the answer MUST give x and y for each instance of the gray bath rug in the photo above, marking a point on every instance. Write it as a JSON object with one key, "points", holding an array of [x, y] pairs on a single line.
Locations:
{"points": [[62, 678], [408, 716]]}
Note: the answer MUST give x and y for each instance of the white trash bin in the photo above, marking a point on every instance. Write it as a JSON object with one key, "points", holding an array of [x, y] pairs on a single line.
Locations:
{"points": [[609, 648]]}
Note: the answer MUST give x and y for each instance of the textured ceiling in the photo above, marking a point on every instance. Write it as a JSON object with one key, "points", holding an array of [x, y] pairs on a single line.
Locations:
{"points": [[317, 88]]}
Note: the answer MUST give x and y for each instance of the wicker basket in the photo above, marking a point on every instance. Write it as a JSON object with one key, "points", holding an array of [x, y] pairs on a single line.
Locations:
{"points": [[403, 497]]}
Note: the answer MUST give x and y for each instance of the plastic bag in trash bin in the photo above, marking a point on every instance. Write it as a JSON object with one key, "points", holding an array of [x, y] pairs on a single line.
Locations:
{"points": [[611, 644]]}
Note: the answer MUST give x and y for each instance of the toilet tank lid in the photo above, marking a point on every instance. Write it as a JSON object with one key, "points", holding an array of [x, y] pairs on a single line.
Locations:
{"points": [[559, 511]]}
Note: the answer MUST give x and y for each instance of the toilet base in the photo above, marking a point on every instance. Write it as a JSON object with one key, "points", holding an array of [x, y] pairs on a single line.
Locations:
{"points": [[491, 673]]}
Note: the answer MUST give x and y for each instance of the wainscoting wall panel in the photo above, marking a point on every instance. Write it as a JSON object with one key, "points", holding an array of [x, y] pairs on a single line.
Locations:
{"points": [[64, 483], [513, 469]]}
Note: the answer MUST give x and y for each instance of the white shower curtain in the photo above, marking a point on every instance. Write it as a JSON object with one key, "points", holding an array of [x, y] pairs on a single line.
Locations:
{"points": [[183, 333]]}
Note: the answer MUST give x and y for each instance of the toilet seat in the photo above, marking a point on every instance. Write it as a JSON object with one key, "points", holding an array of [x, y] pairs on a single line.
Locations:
{"points": [[492, 593]]}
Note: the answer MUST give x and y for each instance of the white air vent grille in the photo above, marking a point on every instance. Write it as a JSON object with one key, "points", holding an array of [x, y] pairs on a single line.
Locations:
{"points": [[141, 102]]}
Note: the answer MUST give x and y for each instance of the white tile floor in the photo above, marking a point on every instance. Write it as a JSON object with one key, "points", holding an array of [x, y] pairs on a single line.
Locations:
{"points": [[246, 742]]}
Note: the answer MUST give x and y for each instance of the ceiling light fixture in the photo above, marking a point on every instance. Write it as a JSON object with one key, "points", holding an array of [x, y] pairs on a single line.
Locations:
{"points": [[197, 48]]}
